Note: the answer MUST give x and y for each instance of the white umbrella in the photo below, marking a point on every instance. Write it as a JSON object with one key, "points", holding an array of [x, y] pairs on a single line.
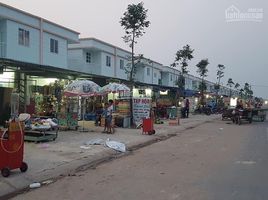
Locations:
{"points": [[114, 88], [82, 88]]}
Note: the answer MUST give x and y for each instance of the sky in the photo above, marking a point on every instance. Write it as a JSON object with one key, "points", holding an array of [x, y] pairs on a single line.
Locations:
{"points": [[241, 45]]}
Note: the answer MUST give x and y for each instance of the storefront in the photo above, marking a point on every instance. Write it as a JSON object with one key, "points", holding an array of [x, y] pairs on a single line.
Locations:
{"points": [[39, 87]]}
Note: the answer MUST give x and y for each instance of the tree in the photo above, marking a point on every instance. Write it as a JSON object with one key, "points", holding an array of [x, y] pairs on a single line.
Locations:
{"points": [[202, 71], [182, 58], [241, 93], [230, 83], [237, 85], [247, 91], [220, 75], [134, 21]]}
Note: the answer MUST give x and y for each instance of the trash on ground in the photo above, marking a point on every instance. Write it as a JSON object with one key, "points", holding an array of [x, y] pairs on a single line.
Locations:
{"points": [[47, 182], [97, 141], [84, 147], [220, 129], [246, 162], [118, 146], [35, 185], [43, 145]]}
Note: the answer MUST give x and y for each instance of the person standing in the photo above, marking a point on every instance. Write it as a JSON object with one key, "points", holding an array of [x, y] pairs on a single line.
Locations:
{"points": [[104, 114], [187, 108], [110, 117]]}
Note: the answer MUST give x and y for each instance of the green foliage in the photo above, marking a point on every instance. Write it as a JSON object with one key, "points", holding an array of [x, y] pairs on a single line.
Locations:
{"points": [[241, 93], [202, 87], [217, 87], [247, 91], [220, 72], [202, 68], [134, 22], [181, 82], [237, 85], [182, 57], [230, 82], [202, 71]]}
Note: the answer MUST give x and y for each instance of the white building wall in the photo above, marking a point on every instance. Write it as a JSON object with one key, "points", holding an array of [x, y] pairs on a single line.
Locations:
{"points": [[107, 70], [54, 59], [140, 73], [60, 31], [18, 15], [75, 60], [40, 32], [3, 38], [19, 52], [94, 67], [156, 76], [165, 78], [148, 74], [121, 73]]}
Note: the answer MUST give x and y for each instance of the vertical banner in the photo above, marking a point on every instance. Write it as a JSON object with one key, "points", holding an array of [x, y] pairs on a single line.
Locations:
{"points": [[141, 109]]}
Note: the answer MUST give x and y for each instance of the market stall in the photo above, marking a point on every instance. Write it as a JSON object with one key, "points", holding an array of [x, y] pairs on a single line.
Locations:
{"points": [[119, 93], [80, 90]]}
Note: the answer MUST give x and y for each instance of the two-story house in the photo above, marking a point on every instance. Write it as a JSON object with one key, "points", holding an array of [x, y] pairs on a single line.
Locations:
{"points": [[31, 46]]}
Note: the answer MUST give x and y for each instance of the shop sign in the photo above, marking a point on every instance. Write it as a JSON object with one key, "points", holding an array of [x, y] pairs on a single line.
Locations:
{"points": [[141, 109]]}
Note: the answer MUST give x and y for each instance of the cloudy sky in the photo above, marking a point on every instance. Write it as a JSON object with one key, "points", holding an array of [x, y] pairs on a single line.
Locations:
{"points": [[241, 46]]}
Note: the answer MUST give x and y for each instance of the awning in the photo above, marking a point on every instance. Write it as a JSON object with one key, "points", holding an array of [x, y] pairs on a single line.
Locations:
{"points": [[8, 65]]}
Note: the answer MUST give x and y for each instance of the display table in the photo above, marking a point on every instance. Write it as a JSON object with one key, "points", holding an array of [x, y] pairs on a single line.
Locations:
{"points": [[40, 133]]}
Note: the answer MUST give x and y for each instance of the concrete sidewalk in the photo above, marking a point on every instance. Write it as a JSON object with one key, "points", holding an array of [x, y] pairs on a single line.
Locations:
{"points": [[64, 157]]}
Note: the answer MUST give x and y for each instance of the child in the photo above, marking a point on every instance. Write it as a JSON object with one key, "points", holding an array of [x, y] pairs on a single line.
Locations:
{"points": [[105, 114], [109, 117]]}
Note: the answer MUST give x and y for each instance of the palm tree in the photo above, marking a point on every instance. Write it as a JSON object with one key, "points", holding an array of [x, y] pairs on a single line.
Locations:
{"points": [[230, 83]]}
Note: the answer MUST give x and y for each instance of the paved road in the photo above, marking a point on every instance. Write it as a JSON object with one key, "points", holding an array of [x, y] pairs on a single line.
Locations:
{"points": [[214, 161]]}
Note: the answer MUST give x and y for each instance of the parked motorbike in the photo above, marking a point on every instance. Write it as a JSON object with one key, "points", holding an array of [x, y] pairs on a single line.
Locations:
{"points": [[203, 110]]}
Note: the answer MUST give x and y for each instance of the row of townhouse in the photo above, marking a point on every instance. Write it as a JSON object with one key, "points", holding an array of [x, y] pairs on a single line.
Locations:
{"points": [[100, 58], [33, 46]]}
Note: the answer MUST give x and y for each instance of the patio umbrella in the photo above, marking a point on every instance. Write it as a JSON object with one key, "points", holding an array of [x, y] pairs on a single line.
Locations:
{"points": [[82, 88], [114, 88]]}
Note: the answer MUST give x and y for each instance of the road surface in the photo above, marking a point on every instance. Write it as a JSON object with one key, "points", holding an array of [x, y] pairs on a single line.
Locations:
{"points": [[216, 161]]}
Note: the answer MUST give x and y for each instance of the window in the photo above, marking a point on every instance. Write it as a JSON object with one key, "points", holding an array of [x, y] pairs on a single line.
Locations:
{"points": [[108, 61], [121, 64], [171, 77], [24, 37], [155, 75], [148, 71], [54, 48], [88, 57]]}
